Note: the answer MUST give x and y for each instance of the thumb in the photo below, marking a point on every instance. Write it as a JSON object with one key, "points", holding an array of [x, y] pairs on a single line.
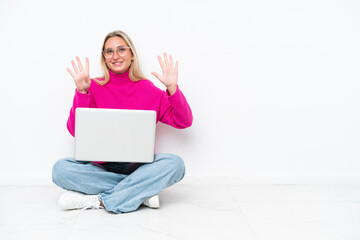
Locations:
{"points": [[88, 80], [156, 75]]}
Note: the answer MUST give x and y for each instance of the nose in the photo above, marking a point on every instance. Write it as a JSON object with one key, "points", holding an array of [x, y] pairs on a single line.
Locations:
{"points": [[116, 55]]}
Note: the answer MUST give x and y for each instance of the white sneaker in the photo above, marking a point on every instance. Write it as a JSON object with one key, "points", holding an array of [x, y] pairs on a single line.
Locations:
{"points": [[152, 202], [74, 200]]}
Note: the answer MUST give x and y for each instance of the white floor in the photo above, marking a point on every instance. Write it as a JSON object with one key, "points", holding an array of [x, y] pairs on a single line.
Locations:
{"points": [[191, 211]]}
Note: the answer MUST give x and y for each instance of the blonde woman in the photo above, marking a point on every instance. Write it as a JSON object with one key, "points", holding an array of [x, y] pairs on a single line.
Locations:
{"points": [[123, 187]]}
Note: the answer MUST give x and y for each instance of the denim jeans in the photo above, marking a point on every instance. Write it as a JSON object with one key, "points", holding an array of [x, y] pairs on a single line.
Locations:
{"points": [[122, 187]]}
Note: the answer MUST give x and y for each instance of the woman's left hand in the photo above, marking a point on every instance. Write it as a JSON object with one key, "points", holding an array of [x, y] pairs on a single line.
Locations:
{"points": [[170, 73]]}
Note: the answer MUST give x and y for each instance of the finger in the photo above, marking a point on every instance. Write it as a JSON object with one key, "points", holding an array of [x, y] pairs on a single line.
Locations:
{"points": [[166, 60], [80, 64], [156, 75], [87, 66], [161, 63], [74, 67], [176, 66], [171, 62], [71, 73]]}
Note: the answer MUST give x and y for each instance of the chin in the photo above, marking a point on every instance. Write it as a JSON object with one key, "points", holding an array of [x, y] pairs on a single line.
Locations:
{"points": [[118, 71]]}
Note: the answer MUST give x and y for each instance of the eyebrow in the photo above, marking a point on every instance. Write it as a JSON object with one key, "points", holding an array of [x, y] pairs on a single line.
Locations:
{"points": [[118, 47]]}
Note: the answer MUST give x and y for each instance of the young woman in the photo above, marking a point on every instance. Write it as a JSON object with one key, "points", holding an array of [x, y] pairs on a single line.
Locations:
{"points": [[123, 187]]}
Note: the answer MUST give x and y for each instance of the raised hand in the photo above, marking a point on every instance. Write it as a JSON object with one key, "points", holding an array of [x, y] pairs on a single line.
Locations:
{"points": [[81, 75], [170, 73]]}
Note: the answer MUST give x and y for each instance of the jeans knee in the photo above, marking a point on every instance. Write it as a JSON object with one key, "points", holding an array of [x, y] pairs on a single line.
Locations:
{"points": [[177, 165], [59, 170]]}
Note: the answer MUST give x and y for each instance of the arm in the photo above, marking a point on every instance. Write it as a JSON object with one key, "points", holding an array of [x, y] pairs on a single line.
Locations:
{"points": [[82, 95], [174, 109], [80, 100]]}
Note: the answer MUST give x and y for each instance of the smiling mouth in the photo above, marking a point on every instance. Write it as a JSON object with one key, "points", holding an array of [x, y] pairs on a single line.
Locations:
{"points": [[117, 63]]}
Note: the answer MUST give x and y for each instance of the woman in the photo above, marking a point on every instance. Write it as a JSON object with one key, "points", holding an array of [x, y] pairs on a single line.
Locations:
{"points": [[123, 187]]}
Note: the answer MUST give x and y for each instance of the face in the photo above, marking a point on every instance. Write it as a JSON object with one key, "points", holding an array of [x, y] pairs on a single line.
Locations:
{"points": [[117, 59]]}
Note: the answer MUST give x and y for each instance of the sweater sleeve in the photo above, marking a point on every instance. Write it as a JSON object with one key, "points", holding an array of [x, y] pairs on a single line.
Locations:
{"points": [[80, 100], [175, 110]]}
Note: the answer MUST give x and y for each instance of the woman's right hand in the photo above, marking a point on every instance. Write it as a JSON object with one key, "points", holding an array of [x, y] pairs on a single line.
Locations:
{"points": [[81, 76]]}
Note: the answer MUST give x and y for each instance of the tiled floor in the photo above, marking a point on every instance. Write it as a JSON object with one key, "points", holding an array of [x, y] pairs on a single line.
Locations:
{"points": [[192, 211]]}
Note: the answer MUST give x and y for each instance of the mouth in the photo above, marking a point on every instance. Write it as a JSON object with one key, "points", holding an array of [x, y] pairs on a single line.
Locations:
{"points": [[117, 63]]}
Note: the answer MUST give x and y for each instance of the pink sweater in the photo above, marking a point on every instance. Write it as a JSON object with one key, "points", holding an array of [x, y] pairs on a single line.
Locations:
{"points": [[122, 93]]}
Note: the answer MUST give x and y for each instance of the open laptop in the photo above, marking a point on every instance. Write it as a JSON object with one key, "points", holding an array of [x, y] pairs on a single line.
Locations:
{"points": [[114, 135]]}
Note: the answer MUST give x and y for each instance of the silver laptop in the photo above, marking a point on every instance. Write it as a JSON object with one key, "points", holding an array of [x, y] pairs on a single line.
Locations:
{"points": [[114, 135]]}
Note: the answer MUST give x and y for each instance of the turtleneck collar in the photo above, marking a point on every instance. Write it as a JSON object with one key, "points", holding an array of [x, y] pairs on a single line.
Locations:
{"points": [[119, 77]]}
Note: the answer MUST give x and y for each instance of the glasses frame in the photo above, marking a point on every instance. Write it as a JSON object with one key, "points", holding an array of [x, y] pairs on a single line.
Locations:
{"points": [[117, 49]]}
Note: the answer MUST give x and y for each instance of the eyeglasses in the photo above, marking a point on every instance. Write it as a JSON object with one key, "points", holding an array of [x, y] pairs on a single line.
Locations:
{"points": [[121, 51]]}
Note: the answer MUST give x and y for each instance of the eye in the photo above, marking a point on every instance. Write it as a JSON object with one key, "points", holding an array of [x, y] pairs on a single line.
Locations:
{"points": [[108, 51], [121, 50]]}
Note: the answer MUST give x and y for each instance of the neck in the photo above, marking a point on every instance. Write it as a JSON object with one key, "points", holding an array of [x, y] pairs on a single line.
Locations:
{"points": [[119, 78], [117, 75]]}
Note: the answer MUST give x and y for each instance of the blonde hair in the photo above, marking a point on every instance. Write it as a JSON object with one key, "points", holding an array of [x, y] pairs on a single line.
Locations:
{"points": [[135, 73]]}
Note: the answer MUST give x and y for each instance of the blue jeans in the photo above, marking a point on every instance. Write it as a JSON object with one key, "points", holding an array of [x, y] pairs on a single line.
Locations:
{"points": [[122, 187]]}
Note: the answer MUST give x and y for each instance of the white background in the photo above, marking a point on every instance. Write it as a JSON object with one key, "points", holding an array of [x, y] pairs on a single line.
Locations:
{"points": [[273, 85]]}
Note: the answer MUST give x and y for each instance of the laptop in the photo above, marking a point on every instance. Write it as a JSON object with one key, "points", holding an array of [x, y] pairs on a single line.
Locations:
{"points": [[114, 135]]}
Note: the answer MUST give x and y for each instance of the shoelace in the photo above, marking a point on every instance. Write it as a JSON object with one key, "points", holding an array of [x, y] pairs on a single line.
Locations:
{"points": [[88, 205], [90, 202]]}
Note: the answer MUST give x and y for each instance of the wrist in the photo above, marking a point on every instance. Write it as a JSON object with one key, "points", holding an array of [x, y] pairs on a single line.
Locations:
{"points": [[83, 91], [172, 89]]}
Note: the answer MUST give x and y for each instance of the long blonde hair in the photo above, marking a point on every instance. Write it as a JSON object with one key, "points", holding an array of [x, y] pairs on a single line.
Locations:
{"points": [[135, 73]]}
